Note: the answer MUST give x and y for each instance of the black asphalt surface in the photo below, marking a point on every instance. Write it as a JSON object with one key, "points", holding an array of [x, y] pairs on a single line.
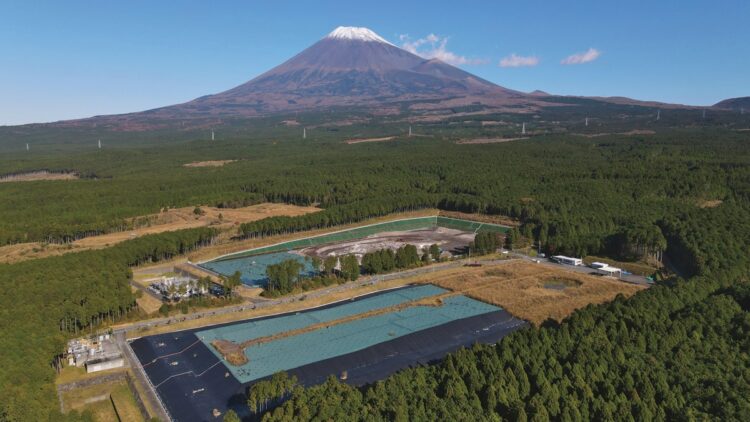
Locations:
{"points": [[191, 381]]}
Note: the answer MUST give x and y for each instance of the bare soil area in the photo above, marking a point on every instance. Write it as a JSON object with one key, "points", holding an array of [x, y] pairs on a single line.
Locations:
{"points": [[630, 133], [488, 140], [363, 140], [710, 203], [448, 239], [482, 218], [210, 163], [37, 175]]}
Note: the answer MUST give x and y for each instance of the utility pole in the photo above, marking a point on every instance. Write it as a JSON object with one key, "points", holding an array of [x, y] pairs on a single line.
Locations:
{"points": [[523, 129]]}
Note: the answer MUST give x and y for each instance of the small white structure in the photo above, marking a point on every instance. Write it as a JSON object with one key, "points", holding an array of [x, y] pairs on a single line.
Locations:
{"points": [[610, 271], [562, 259], [605, 269]]}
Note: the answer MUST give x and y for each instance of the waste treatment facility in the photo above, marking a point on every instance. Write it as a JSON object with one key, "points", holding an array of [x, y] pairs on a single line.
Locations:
{"points": [[203, 372]]}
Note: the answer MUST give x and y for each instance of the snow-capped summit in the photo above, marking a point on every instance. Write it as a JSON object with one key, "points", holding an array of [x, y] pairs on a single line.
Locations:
{"points": [[356, 33], [351, 66]]}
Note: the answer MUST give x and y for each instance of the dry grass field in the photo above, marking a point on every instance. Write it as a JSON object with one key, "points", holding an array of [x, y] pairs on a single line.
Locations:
{"points": [[210, 163], [365, 140], [170, 220], [534, 292], [488, 140], [37, 175]]}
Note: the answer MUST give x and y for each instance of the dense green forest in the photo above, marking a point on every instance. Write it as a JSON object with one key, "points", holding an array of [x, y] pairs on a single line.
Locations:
{"points": [[47, 301], [677, 351]]}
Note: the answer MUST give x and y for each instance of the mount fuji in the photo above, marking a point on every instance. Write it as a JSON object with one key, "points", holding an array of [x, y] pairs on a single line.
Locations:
{"points": [[351, 66]]}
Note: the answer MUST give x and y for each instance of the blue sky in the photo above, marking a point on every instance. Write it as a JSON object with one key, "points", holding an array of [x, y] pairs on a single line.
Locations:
{"points": [[62, 60]]}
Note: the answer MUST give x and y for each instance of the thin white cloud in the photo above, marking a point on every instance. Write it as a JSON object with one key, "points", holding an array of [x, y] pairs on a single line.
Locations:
{"points": [[514, 60], [435, 47], [579, 58]]}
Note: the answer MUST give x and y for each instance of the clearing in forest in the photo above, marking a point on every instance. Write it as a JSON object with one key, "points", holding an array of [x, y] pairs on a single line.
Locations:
{"points": [[37, 175], [364, 140], [488, 140], [531, 291], [209, 163]]}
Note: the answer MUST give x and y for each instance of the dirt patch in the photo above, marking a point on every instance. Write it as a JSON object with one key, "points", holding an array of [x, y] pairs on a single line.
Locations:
{"points": [[210, 163], [363, 140], [482, 218], [527, 290], [34, 176], [170, 220], [452, 241], [629, 133], [710, 203], [488, 140]]}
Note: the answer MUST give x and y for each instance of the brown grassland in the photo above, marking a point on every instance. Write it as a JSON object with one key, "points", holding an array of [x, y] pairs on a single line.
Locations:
{"points": [[530, 291], [37, 175], [365, 140], [478, 141], [210, 163]]}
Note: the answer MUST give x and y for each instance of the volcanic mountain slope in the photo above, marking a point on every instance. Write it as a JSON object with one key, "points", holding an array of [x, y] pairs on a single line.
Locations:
{"points": [[739, 103], [350, 66]]}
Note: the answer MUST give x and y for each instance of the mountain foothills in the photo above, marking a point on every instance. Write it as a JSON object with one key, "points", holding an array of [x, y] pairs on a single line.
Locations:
{"points": [[740, 103], [580, 176]]}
